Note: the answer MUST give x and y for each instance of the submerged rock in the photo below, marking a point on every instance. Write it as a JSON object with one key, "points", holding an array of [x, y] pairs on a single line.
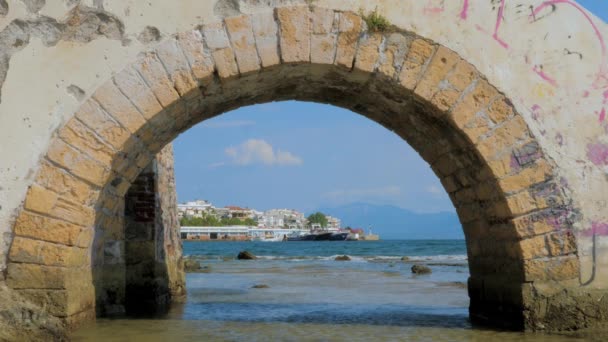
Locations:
{"points": [[421, 269], [405, 258], [260, 286], [21, 320], [342, 258], [191, 265], [245, 255]]}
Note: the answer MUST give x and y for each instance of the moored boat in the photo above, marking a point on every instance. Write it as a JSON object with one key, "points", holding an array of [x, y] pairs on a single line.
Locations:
{"points": [[323, 237], [338, 237]]}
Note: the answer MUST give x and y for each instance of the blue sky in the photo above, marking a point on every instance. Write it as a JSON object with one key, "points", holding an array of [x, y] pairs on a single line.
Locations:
{"points": [[306, 156]]}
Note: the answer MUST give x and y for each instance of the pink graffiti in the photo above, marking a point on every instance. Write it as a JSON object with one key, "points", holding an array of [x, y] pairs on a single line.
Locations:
{"points": [[597, 229], [434, 9], [499, 20], [602, 75], [539, 71], [598, 153], [465, 10], [604, 103]]}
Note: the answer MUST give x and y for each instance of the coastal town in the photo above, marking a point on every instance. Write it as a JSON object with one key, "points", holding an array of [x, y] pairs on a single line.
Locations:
{"points": [[201, 220]]}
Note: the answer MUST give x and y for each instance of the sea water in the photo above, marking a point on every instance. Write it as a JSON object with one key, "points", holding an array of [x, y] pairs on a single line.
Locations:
{"points": [[309, 296]]}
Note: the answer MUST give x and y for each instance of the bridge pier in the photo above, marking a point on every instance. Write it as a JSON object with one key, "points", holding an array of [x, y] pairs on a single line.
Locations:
{"points": [[141, 271]]}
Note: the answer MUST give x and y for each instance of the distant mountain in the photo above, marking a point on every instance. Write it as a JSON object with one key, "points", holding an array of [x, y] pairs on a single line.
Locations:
{"points": [[392, 222]]}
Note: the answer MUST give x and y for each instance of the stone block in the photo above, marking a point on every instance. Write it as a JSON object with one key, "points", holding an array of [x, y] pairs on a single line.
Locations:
{"points": [[153, 72], [265, 30], [25, 250], [40, 200], [534, 174], [215, 35], [561, 243], [176, 65], [77, 162], [198, 56], [533, 247], [393, 56], [240, 30], [473, 102], [47, 229], [500, 110], [553, 268], [225, 63], [91, 114], [322, 20], [444, 99], [80, 136], [463, 74], [419, 55], [350, 26], [441, 64], [503, 138], [119, 107], [522, 203], [73, 212], [323, 49], [66, 185], [294, 33], [30, 276], [368, 52]]}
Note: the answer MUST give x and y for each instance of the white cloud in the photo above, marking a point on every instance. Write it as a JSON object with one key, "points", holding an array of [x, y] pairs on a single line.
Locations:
{"points": [[228, 123], [362, 194], [257, 151]]}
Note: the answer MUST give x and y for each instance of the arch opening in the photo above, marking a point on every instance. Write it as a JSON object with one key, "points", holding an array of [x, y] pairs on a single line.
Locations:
{"points": [[515, 212]]}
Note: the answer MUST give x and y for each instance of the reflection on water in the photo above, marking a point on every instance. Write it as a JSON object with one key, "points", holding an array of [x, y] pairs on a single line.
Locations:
{"points": [[316, 300]]}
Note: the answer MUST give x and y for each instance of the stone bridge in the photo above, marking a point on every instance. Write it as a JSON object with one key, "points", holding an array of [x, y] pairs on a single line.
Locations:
{"points": [[505, 99]]}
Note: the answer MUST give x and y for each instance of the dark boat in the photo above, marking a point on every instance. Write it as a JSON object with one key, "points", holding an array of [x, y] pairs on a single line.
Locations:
{"points": [[308, 237], [323, 237], [338, 237]]}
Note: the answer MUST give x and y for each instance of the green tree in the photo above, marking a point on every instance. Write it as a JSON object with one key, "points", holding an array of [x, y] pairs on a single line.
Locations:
{"points": [[318, 218]]}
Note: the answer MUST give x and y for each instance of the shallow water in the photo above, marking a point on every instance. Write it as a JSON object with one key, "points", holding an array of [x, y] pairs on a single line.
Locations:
{"points": [[314, 298]]}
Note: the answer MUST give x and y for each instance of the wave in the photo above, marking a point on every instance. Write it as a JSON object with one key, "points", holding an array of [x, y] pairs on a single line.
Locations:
{"points": [[458, 258]]}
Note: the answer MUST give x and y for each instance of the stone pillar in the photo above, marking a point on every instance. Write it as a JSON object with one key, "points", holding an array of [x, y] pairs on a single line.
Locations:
{"points": [[140, 268], [154, 275]]}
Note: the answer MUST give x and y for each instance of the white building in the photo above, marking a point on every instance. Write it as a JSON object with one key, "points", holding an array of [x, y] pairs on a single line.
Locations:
{"points": [[283, 218], [194, 209], [333, 223]]}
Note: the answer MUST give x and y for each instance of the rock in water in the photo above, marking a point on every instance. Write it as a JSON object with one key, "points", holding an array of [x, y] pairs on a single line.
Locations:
{"points": [[244, 255], [421, 269], [21, 320], [191, 265], [342, 258], [405, 258], [260, 286]]}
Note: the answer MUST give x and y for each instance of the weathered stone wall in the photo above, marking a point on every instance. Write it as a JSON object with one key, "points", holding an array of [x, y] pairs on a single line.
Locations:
{"points": [[141, 271], [484, 91]]}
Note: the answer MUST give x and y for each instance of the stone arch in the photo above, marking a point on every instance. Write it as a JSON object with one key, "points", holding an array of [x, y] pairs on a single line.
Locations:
{"points": [[515, 211]]}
